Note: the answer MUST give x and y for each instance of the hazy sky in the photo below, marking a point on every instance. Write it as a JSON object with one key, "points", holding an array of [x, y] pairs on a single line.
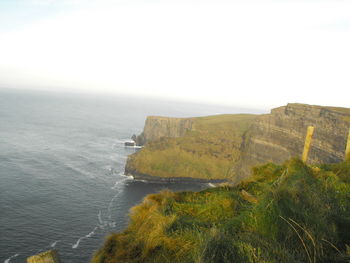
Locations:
{"points": [[244, 53]]}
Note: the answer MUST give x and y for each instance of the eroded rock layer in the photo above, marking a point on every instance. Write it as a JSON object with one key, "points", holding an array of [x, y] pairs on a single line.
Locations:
{"points": [[280, 135], [272, 137], [157, 127]]}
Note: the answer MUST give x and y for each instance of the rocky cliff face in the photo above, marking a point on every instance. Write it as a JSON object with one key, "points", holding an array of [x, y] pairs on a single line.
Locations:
{"points": [[157, 127], [273, 137], [280, 135]]}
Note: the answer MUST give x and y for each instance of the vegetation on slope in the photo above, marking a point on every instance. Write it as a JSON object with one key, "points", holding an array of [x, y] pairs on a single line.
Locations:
{"points": [[206, 152], [283, 213]]}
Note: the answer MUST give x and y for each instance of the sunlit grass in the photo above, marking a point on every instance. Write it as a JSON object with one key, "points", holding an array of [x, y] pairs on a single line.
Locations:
{"points": [[300, 214]]}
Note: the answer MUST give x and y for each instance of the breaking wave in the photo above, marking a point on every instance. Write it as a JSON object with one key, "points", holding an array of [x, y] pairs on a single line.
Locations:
{"points": [[9, 259], [76, 245], [54, 243]]}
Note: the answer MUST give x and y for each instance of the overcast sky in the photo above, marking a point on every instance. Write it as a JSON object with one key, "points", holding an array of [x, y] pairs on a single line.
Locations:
{"points": [[241, 53]]}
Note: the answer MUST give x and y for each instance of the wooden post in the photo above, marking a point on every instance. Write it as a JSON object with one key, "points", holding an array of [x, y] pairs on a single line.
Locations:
{"points": [[308, 139], [347, 151], [45, 257]]}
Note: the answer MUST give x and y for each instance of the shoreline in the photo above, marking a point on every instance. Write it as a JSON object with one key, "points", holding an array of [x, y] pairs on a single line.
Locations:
{"points": [[155, 179]]}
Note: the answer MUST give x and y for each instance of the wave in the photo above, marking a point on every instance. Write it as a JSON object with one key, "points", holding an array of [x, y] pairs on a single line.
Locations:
{"points": [[134, 147], [120, 142], [128, 176], [54, 243], [122, 180], [76, 245], [9, 259], [101, 222]]}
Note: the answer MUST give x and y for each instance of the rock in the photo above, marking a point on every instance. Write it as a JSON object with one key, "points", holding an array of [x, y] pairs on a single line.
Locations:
{"points": [[132, 144], [280, 135], [157, 127], [139, 140]]}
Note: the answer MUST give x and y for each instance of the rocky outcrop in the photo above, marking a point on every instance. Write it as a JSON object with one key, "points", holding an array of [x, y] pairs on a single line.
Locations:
{"points": [[280, 135], [157, 127]]}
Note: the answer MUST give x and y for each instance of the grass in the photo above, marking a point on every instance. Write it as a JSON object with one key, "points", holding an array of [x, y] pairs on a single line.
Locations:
{"points": [[293, 213], [207, 152]]}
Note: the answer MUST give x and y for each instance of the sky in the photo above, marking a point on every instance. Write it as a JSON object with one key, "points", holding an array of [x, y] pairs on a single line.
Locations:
{"points": [[247, 53]]}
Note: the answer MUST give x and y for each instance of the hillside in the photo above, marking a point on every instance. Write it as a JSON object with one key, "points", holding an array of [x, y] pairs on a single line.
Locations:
{"points": [[225, 147], [283, 213], [200, 148]]}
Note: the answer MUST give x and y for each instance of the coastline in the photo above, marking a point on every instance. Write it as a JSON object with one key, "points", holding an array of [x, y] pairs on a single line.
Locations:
{"points": [[155, 179]]}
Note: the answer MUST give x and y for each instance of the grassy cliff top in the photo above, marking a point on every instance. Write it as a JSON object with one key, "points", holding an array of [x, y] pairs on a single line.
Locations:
{"points": [[284, 213], [207, 151]]}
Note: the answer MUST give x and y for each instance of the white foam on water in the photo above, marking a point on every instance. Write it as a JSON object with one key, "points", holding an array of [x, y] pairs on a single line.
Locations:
{"points": [[130, 177], [105, 223], [211, 185], [9, 259], [76, 245], [140, 180], [134, 147], [121, 142], [54, 243], [121, 182], [109, 209], [99, 217], [112, 224]]}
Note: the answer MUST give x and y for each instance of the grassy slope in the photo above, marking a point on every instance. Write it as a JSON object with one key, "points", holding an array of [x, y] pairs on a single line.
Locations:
{"points": [[290, 213], [208, 151]]}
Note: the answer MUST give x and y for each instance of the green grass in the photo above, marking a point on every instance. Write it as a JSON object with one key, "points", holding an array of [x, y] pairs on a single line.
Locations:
{"points": [[302, 214], [208, 151]]}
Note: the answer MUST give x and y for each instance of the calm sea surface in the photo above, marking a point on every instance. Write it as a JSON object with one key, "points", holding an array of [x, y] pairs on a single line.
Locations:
{"points": [[61, 169]]}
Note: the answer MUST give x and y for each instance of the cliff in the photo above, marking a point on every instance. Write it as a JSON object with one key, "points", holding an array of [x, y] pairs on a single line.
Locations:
{"points": [[157, 127], [280, 135], [228, 146], [283, 213], [201, 148]]}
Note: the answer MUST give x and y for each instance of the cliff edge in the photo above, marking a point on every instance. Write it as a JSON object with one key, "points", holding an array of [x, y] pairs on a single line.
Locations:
{"points": [[189, 149], [157, 127], [283, 213], [280, 135], [226, 147]]}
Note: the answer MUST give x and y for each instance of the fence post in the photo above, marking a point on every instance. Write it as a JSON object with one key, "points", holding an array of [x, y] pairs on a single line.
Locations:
{"points": [[308, 139], [347, 151]]}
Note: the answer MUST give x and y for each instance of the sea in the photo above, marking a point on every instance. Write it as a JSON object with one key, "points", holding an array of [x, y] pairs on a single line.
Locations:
{"points": [[62, 158]]}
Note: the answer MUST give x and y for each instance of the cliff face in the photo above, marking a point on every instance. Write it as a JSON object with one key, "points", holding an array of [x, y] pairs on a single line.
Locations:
{"points": [[198, 144], [280, 135], [157, 127], [203, 148]]}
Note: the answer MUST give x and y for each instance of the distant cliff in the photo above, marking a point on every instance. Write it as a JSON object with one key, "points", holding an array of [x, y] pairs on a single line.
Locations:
{"points": [[157, 127], [176, 149], [280, 135], [228, 146]]}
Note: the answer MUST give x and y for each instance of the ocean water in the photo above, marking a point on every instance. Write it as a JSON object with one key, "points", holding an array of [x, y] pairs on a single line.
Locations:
{"points": [[61, 169]]}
